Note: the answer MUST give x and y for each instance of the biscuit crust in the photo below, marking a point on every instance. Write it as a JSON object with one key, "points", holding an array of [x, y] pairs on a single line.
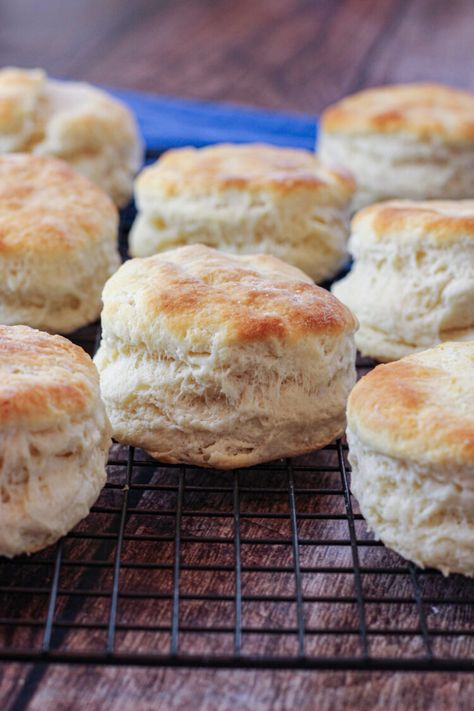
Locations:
{"points": [[442, 222], [43, 378], [48, 209], [421, 109], [199, 295], [249, 167], [419, 408]]}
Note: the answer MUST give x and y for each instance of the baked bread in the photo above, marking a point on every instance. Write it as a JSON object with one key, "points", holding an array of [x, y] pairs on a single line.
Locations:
{"points": [[54, 438], [84, 126], [58, 244], [412, 284], [408, 141], [245, 199], [411, 447], [223, 361]]}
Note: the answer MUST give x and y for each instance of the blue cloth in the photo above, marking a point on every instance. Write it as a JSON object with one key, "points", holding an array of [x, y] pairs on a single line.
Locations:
{"points": [[168, 122]]}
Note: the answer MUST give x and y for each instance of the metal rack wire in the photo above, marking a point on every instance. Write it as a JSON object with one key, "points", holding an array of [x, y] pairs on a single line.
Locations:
{"points": [[270, 566]]}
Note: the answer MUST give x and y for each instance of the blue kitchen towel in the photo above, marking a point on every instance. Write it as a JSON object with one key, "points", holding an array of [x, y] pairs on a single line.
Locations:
{"points": [[168, 122]]}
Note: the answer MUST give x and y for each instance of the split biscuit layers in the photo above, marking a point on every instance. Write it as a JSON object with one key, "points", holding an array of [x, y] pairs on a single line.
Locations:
{"points": [[223, 361], [407, 141], [246, 199], [412, 283], [54, 438], [58, 244], [411, 447], [88, 128]]}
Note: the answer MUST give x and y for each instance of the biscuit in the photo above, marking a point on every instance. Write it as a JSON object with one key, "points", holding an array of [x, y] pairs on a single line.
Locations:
{"points": [[223, 361], [58, 244], [411, 447], [54, 438], [408, 141], [245, 199], [412, 283], [74, 121]]}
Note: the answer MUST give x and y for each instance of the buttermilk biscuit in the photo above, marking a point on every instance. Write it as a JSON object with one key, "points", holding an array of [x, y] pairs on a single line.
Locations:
{"points": [[245, 199], [411, 442], [409, 141], [58, 244], [54, 438], [223, 361], [412, 284], [74, 121]]}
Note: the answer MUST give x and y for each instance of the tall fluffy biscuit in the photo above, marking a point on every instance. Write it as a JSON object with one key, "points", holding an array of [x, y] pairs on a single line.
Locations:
{"points": [[411, 447], [58, 244], [54, 438], [223, 361], [408, 141], [412, 284], [74, 121], [245, 199]]}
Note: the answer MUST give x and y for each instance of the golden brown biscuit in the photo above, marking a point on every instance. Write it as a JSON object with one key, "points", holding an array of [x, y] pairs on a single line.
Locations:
{"points": [[77, 122], [223, 361], [411, 439], [54, 438], [58, 244], [412, 283], [245, 199]]}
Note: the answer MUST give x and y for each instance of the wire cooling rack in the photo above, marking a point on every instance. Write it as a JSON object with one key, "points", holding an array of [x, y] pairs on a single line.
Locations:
{"points": [[270, 566]]}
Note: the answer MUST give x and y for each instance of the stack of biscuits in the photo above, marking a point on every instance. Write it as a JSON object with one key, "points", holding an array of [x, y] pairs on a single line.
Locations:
{"points": [[218, 348]]}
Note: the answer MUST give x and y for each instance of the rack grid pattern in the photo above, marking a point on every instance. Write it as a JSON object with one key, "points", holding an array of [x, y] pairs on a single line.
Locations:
{"points": [[270, 566]]}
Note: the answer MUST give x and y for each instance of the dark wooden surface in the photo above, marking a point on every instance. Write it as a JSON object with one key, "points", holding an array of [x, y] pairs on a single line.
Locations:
{"points": [[285, 54]]}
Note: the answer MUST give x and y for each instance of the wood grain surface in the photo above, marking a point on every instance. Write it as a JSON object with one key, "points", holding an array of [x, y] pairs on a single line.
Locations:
{"points": [[284, 54]]}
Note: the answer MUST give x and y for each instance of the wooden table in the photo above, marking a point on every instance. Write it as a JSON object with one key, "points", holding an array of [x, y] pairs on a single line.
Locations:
{"points": [[294, 55], [283, 54]]}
